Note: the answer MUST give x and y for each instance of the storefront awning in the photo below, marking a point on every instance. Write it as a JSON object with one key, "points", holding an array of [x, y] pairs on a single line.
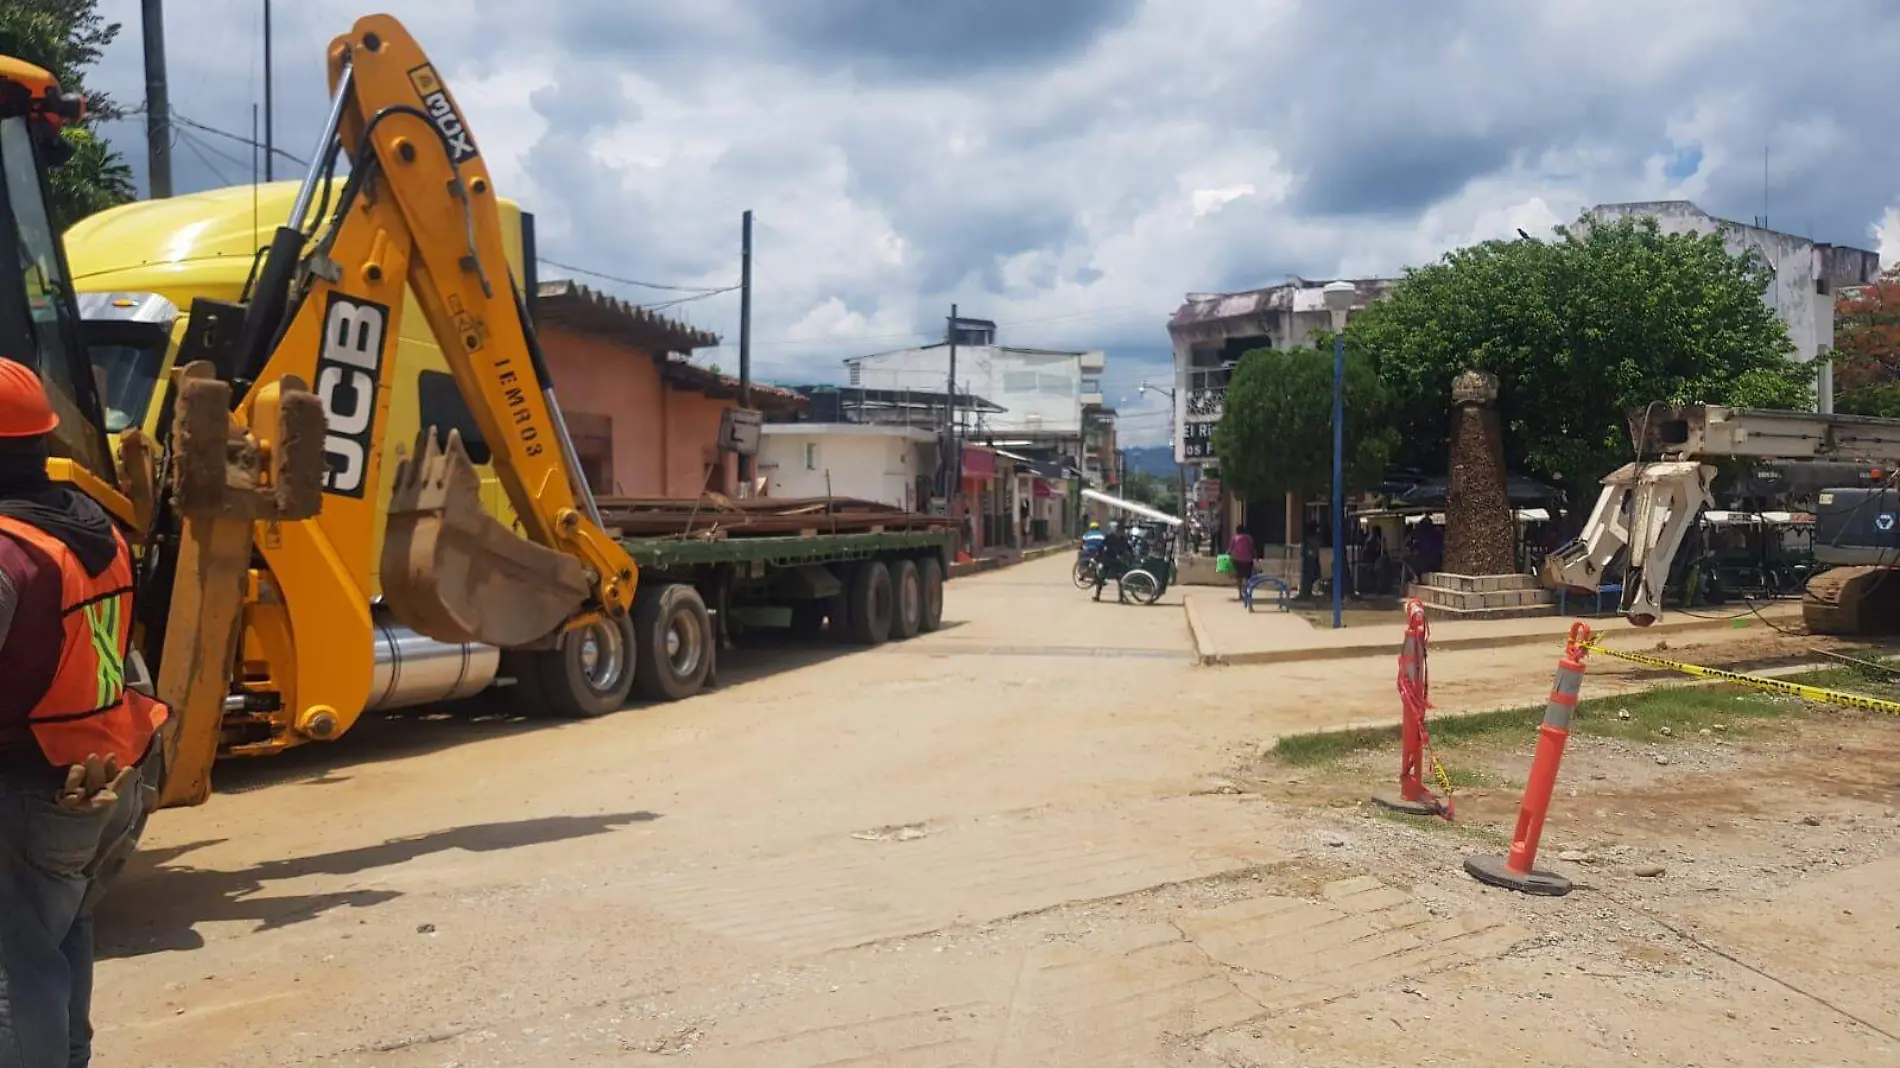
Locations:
{"points": [[978, 462]]}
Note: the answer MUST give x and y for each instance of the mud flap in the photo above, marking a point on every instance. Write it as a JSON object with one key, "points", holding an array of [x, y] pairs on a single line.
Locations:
{"points": [[454, 573]]}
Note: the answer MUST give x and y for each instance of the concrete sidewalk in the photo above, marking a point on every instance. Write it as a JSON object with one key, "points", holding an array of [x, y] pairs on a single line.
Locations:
{"points": [[1226, 633], [1007, 558]]}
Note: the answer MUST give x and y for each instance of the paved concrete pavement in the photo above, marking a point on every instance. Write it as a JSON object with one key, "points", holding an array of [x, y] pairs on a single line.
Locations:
{"points": [[992, 845]]}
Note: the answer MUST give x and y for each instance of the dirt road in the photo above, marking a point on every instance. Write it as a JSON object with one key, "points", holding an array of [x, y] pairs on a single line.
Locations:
{"points": [[1002, 844]]}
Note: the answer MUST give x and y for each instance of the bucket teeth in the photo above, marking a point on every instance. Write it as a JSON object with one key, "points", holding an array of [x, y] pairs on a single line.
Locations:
{"points": [[450, 571]]}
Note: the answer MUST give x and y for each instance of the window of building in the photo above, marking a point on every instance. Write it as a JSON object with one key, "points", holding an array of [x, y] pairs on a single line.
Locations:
{"points": [[811, 456]]}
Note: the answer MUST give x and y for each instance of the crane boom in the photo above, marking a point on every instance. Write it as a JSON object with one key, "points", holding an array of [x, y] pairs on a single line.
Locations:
{"points": [[1646, 508]]}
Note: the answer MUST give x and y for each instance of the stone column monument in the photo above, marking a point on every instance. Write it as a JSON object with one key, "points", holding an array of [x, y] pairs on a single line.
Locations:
{"points": [[1479, 527], [1480, 579]]}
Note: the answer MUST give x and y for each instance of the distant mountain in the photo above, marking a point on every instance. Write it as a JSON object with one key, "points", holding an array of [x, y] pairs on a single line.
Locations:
{"points": [[1150, 460]]}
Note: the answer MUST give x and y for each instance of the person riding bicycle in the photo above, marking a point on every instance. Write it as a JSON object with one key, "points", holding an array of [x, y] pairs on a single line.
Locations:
{"points": [[1092, 541], [1115, 558]]}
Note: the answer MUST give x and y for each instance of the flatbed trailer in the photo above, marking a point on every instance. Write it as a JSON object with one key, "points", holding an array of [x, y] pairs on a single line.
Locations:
{"points": [[832, 569]]}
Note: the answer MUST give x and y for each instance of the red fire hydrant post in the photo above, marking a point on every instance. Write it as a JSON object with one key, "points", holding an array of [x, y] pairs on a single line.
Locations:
{"points": [[1414, 797], [1518, 870]]}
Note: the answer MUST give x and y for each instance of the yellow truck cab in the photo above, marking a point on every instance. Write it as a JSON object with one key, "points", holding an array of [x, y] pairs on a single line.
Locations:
{"points": [[138, 267]]}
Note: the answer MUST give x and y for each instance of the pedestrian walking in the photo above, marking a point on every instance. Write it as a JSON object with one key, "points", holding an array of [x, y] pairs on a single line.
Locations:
{"points": [[1240, 549]]}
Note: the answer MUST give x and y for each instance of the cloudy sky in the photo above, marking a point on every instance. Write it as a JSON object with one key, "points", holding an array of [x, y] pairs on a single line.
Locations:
{"points": [[1072, 168]]}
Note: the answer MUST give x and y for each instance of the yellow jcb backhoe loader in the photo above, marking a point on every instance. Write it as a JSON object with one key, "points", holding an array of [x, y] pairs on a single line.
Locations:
{"points": [[190, 511], [458, 590]]}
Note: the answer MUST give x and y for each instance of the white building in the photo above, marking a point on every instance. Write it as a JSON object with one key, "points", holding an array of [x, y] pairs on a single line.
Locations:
{"points": [[1052, 400], [888, 464], [1210, 332], [1807, 274]]}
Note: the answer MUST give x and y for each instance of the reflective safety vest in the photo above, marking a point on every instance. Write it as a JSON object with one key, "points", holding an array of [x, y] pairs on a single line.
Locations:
{"points": [[87, 710]]}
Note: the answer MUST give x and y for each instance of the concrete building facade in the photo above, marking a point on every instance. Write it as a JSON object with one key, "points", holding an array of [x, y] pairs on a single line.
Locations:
{"points": [[1044, 430], [645, 422], [1209, 333], [1808, 275], [892, 465]]}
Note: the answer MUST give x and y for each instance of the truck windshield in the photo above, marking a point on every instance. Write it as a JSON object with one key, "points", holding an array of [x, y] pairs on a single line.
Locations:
{"points": [[126, 358], [38, 320]]}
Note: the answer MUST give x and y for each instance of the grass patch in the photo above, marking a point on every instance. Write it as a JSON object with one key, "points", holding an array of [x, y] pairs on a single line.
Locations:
{"points": [[1468, 778], [1685, 709]]}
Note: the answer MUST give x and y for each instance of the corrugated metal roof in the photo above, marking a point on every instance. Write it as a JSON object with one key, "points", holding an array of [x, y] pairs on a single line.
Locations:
{"points": [[1299, 295], [569, 303]]}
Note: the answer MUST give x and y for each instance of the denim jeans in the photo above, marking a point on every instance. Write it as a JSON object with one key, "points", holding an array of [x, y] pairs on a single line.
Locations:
{"points": [[52, 863]]}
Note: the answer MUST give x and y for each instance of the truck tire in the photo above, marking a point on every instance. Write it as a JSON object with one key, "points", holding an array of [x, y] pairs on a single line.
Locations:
{"points": [[907, 600], [590, 675], [838, 606], [871, 603], [930, 584], [673, 642]]}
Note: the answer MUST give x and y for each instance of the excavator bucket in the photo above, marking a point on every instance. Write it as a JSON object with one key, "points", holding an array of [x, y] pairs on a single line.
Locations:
{"points": [[452, 572]]}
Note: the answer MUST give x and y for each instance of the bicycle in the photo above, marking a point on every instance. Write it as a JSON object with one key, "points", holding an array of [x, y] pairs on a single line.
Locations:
{"points": [[1083, 574]]}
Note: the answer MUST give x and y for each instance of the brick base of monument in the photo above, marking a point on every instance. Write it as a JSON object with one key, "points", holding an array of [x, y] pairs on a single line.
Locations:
{"points": [[1449, 596]]}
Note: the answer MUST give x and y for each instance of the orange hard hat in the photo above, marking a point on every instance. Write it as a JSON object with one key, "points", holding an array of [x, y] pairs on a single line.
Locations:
{"points": [[24, 409]]}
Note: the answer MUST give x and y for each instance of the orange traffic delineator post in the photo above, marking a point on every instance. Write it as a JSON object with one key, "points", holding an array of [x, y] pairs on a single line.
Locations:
{"points": [[1415, 742], [1518, 870]]}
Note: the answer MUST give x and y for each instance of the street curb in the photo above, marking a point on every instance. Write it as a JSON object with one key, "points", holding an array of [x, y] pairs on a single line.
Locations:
{"points": [[1206, 653], [996, 563]]}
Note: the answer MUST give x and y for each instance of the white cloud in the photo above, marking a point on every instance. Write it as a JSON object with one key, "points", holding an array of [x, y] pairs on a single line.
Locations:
{"points": [[1887, 237], [1079, 165]]}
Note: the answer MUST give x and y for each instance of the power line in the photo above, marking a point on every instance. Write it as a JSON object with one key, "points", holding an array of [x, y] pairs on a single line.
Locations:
{"points": [[214, 150], [180, 119], [239, 139], [664, 304], [192, 143], [706, 290]]}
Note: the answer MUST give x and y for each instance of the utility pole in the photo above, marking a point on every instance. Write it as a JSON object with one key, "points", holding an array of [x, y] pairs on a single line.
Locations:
{"points": [[158, 108], [267, 93], [745, 334], [953, 467]]}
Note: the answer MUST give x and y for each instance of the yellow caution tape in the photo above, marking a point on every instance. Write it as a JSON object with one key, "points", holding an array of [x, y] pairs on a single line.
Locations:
{"points": [[1755, 682], [1444, 780]]}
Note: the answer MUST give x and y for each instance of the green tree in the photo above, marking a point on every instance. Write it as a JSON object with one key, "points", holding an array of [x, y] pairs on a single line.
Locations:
{"points": [[1152, 490], [67, 37], [1607, 317], [1276, 430], [1867, 349]]}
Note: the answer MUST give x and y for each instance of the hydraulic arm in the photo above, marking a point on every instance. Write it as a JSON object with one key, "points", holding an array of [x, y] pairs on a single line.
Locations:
{"points": [[418, 207]]}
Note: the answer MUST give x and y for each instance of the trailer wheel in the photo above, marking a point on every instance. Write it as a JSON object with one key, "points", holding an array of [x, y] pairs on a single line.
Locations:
{"points": [[838, 605], [871, 603], [930, 584], [589, 675], [673, 642], [907, 600]]}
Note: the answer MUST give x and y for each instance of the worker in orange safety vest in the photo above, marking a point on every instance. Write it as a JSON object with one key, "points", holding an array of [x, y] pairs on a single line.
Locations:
{"points": [[78, 771]]}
